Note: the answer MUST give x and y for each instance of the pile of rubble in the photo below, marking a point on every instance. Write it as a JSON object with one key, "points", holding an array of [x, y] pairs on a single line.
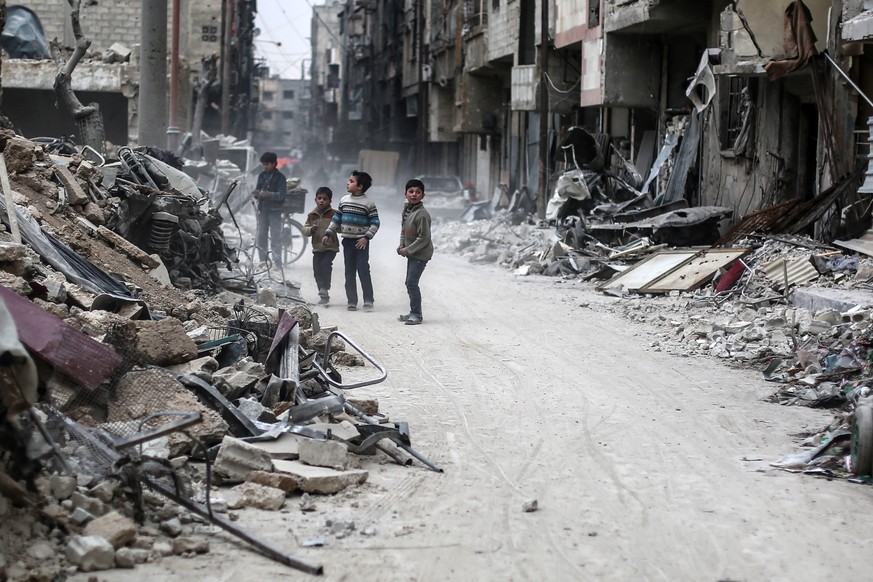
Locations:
{"points": [[752, 304], [136, 413]]}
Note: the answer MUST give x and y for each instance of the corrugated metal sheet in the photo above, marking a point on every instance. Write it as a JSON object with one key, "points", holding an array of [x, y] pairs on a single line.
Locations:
{"points": [[800, 270]]}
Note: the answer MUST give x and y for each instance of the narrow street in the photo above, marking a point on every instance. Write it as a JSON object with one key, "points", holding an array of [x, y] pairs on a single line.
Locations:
{"points": [[645, 466]]}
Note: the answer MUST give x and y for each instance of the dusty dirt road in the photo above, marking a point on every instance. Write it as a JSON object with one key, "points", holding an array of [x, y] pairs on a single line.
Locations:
{"points": [[645, 466]]}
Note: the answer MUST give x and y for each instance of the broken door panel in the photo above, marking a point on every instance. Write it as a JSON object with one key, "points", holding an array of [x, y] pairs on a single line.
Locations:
{"points": [[694, 272], [648, 270]]}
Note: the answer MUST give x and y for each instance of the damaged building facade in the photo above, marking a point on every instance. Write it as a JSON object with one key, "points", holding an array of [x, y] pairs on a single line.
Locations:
{"points": [[110, 74], [746, 121]]}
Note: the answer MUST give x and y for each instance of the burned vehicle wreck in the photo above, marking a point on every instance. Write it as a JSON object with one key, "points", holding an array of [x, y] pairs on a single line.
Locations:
{"points": [[161, 210], [603, 200]]}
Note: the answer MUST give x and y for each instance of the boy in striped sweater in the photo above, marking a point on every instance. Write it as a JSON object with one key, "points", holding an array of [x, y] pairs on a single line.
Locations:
{"points": [[356, 220]]}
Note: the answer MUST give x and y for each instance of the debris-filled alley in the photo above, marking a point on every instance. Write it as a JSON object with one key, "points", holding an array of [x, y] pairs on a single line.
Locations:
{"points": [[646, 344], [530, 429]]}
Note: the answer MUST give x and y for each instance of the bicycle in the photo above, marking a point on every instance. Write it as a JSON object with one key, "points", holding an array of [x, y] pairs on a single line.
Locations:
{"points": [[294, 242]]}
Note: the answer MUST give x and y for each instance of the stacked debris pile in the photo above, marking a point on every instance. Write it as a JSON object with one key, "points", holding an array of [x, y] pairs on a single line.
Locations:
{"points": [[126, 400], [749, 304]]}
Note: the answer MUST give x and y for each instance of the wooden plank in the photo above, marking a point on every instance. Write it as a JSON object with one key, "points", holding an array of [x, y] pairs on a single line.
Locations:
{"points": [[128, 247]]}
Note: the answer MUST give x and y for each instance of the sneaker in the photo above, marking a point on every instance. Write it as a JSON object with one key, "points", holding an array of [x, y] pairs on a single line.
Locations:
{"points": [[368, 307], [413, 319], [323, 300], [402, 317], [352, 307]]}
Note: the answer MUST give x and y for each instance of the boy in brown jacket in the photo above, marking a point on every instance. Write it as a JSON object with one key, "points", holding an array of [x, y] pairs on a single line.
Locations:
{"points": [[324, 249]]}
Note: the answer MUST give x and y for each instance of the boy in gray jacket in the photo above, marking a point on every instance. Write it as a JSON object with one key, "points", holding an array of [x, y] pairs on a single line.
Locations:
{"points": [[416, 245]]}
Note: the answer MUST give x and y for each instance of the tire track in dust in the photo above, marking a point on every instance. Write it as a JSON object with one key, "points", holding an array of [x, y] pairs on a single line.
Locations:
{"points": [[510, 527]]}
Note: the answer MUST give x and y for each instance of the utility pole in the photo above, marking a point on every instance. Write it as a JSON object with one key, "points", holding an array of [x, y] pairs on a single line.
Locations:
{"points": [[173, 130], [225, 65], [542, 195], [153, 74], [422, 89]]}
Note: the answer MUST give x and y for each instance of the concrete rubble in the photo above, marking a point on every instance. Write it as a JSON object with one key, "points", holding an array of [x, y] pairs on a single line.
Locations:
{"points": [[200, 393], [797, 309]]}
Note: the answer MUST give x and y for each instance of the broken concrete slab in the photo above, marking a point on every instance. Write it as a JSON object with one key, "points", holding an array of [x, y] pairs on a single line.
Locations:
{"points": [[285, 447], [283, 481], [324, 453], [311, 479], [237, 458]]}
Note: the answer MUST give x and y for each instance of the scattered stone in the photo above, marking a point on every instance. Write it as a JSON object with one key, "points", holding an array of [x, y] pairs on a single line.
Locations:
{"points": [[89, 504], [237, 458], [307, 503], [90, 553], [104, 491], [258, 496], [41, 551], [113, 527], [530, 505], [162, 548], [130, 557], [189, 544], [62, 486], [172, 527], [80, 516]]}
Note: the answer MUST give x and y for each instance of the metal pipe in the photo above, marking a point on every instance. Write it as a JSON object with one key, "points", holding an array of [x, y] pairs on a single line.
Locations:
{"points": [[369, 420], [266, 547], [848, 80], [229, 9]]}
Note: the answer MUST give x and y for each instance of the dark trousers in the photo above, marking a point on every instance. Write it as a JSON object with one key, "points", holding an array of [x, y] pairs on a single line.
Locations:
{"points": [[414, 269], [357, 261], [269, 234], [322, 268]]}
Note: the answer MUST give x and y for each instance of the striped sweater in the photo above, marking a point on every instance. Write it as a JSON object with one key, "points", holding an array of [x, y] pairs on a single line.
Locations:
{"points": [[356, 217]]}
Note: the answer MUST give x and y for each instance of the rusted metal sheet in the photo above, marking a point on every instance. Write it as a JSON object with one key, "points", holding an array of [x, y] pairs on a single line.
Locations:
{"points": [[81, 358], [648, 270], [799, 270], [758, 221], [695, 271]]}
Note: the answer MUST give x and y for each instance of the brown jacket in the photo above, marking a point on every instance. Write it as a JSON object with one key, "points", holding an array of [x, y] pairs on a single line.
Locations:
{"points": [[316, 223]]}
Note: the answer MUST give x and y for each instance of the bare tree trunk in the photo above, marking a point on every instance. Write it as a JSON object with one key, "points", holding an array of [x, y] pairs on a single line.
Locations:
{"points": [[87, 117], [208, 76]]}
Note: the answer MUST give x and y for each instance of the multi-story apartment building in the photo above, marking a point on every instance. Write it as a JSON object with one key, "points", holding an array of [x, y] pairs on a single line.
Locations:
{"points": [[457, 86], [282, 123], [206, 27]]}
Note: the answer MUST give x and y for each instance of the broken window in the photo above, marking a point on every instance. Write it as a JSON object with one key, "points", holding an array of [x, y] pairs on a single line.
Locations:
{"points": [[475, 16], [593, 13], [289, 94], [736, 104]]}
